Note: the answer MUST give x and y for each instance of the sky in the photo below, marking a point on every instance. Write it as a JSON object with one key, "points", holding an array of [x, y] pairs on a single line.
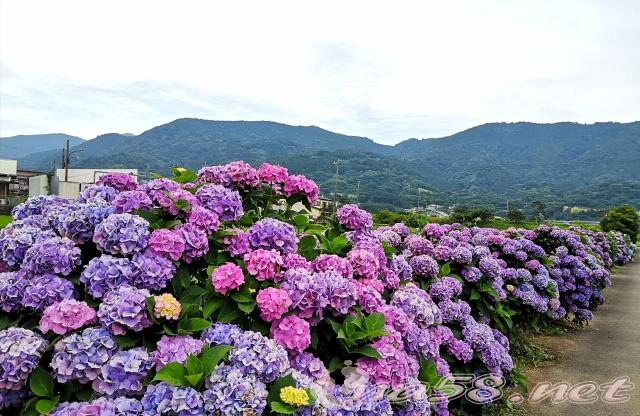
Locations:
{"points": [[388, 70]]}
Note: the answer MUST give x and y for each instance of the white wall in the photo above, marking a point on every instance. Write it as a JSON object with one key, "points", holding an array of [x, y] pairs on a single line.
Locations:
{"points": [[90, 175], [38, 185], [8, 166]]}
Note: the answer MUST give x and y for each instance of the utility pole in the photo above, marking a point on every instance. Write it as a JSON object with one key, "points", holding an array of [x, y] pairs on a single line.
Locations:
{"points": [[358, 192], [66, 162], [335, 187]]}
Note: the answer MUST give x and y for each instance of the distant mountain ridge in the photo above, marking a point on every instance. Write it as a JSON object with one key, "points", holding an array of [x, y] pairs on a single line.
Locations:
{"points": [[15, 147], [560, 163]]}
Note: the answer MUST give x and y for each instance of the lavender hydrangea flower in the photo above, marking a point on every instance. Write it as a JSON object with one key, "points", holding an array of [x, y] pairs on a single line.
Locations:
{"points": [[12, 287], [353, 217], [232, 392], [66, 315], [54, 255], [14, 243], [124, 373], [151, 272], [401, 229], [258, 355], [177, 349], [165, 399], [119, 181], [122, 234], [78, 221], [340, 291], [271, 234], [220, 334], [105, 273], [47, 289], [20, 353], [445, 288], [331, 262], [80, 356], [237, 243], [36, 205], [307, 293], [129, 201], [13, 398], [417, 304], [204, 219], [424, 266], [97, 193], [222, 201], [196, 243], [125, 308]]}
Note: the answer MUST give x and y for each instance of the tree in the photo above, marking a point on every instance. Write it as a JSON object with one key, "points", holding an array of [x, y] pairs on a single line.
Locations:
{"points": [[624, 219], [515, 215], [538, 210]]}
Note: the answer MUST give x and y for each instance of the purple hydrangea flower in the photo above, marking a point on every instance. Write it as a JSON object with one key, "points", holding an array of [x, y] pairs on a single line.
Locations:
{"points": [[122, 234], [232, 392], [81, 355], [217, 175], [124, 373], [417, 304], [300, 185], [20, 353], [167, 243], [424, 266], [12, 287], [224, 202], [445, 288], [14, 243], [331, 262], [97, 193], [36, 205], [258, 355], [165, 399], [220, 334], [56, 255], [105, 273], [353, 217], [151, 272], [204, 219], [129, 201], [236, 244], [118, 181], [271, 234], [341, 292], [308, 295], [178, 348], [125, 308], [47, 289], [196, 242], [78, 221]]}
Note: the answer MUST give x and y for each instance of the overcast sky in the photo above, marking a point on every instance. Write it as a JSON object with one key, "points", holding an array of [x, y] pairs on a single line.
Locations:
{"points": [[387, 70]]}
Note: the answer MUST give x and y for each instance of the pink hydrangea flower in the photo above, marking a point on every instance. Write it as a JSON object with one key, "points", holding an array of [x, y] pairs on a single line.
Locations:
{"points": [[166, 243], [227, 277], [272, 173], [263, 264], [273, 303], [292, 332], [66, 315], [298, 184], [364, 263]]}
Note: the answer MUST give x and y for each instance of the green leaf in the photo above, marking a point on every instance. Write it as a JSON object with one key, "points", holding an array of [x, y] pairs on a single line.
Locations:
{"points": [[240, 298], [194, 324], [247, 307], [193, 379], [193, 365], [368, 351], [211, 305], [281, 408], [127, 341], [445, 269], [211, 357], [41, 383], [475, 294], [336, 363], [376, 320], [44, 406], [173, 373], [229, 313], [300, 220]]}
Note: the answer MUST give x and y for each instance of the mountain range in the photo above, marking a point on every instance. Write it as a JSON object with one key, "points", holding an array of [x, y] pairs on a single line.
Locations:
{"points": [[561, 164], [16, 147]]}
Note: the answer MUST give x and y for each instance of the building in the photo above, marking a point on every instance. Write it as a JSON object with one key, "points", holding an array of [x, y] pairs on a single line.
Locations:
{"points": [[14, 182], [68, 183]]}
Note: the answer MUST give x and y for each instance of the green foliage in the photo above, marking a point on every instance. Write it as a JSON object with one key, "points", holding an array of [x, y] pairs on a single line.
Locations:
{"points": [[624, 219], [197, 368], [515, 216], [356, 332], [4, 220]]}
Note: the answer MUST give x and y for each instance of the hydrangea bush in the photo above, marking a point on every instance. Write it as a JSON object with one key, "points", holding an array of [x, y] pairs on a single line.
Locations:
{"points": [[209, 294]]}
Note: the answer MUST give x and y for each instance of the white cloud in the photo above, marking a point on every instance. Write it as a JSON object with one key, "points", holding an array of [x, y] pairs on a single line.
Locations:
{"points": [[387, 70]]}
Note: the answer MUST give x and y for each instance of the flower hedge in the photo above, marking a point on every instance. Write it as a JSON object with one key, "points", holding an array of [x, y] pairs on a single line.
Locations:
{"points": [[208, 294]]}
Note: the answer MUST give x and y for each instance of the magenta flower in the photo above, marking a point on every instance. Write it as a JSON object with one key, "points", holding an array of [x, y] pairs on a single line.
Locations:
{"points": [[273, 303], [227, 277], [66, 315], [166, 243], [299, 185], [292, 332], [272, 174], [263, 264]]}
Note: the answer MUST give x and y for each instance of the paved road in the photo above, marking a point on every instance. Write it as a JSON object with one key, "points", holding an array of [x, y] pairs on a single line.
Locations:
{"points": [[605, 350]]}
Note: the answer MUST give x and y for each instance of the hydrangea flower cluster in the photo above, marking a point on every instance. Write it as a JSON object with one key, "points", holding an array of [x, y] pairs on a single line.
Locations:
{"points": [[223, 248]]}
